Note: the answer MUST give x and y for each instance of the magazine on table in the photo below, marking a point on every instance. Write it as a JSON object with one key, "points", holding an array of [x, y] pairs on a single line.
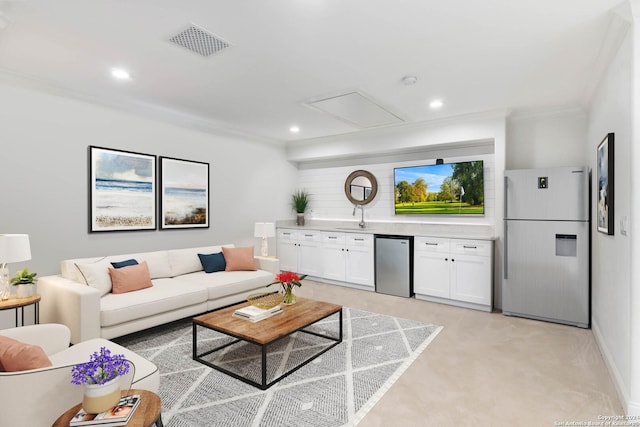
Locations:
{"points": [[119, 415], [254, 313]]}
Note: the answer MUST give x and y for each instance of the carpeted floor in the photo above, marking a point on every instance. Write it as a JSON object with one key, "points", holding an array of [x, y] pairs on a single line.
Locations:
{"points": [[336, 389]]}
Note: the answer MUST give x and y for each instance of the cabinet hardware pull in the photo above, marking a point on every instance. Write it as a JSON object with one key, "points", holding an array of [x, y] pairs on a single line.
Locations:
{"points": [[470, 247], [332, 237], [308, 235], [359, 240], [430, 244], [287, 234]]}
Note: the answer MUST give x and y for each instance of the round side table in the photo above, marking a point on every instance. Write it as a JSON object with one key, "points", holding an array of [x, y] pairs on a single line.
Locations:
{"points": [[20, 304], [147, 414]]}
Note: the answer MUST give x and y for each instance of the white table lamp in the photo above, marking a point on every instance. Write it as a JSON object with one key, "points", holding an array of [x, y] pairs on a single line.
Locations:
{"points": [[264, 230], [13, 248]]}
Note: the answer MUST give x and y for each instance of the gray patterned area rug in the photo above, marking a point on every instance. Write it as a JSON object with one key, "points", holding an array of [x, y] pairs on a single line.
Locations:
{"points": [[336, 389]]}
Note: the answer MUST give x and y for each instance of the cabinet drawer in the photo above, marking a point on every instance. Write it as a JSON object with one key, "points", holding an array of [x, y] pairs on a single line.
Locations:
{"points": [[309, 236], [472, 247], [287, 234], [353, 239], [431, 244], [331, 238]]}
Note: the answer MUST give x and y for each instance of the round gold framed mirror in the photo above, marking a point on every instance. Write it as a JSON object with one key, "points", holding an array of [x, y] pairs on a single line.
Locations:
{"points": [[361, 187]]}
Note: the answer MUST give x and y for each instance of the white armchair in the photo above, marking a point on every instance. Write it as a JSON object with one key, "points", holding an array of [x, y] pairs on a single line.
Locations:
{"points": [[38, 397]]}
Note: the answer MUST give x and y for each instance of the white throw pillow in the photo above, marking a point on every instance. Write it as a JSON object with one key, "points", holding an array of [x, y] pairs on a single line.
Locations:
{"points": [[96, 275], [157, 261]]}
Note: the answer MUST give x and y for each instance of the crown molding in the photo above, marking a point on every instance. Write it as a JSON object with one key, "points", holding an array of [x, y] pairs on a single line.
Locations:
{"points": [[143, 109]]}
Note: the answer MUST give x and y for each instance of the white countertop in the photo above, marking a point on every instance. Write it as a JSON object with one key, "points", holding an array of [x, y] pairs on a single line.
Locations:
{"points": [[454, 231]]}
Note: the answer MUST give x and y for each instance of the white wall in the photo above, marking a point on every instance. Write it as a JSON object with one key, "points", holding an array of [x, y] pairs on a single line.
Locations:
{"points": [[551, 139], [44, 167], [634, 218], [611, 111]]}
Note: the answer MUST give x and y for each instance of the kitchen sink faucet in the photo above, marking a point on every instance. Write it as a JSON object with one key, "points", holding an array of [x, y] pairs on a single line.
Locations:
{"points": [[361, 224]]}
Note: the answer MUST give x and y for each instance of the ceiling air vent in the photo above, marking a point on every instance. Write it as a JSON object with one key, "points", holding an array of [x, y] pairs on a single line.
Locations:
{"points": [[199, 41]]}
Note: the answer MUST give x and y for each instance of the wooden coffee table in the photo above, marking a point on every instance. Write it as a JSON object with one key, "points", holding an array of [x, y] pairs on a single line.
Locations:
{"points": [[294, 318]]}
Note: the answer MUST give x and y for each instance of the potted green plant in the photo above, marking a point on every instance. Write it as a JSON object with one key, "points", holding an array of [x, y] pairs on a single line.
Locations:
{"points": [[24, 281], [300, 202]]}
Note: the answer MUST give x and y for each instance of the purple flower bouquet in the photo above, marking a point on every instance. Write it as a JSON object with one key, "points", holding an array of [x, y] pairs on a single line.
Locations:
{"points": [[101, 368]]}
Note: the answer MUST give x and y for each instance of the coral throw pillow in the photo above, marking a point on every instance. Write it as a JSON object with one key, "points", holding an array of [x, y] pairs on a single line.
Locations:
{"points": [[130, 278], [18, 356], [239, 259]]}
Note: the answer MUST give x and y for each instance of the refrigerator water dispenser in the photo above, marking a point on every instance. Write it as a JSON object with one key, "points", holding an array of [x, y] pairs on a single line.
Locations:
{"points": [[566, 245]]}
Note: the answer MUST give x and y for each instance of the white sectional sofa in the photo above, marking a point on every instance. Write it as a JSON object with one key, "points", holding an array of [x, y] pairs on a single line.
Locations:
{"points": [[180, 289]]}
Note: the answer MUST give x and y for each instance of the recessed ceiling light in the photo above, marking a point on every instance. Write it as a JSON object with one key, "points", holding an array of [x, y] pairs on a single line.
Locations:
{"points": [[409, 80], [120, 74], [294, 129], [436, 103]]}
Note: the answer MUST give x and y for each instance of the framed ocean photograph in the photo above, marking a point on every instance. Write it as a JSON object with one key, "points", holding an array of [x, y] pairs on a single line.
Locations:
{"points": [[184, 193], [122, 194], [605, 185]]}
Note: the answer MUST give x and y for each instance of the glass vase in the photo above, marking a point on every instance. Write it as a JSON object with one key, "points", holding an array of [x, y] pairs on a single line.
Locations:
{"points": [[289, 297], [5, 287]]}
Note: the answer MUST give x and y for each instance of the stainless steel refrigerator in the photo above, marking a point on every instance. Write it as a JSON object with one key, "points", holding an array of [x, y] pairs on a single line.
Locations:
{"points": [[394, 265], [546, 254]]}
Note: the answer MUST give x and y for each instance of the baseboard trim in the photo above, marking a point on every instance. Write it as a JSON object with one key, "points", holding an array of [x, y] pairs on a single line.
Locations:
{"points": [[628, 406]]}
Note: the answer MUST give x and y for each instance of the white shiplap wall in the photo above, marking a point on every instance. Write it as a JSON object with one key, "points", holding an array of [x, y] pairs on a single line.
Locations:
{"points": [[328, 201]]}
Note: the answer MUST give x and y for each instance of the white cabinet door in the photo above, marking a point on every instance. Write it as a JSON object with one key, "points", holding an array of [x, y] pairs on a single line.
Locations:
{"points": [[471, 279], [287, 249], [431, 266], [333, 256], [333, 263], [309, 261], [431, 274], [359, 266]]}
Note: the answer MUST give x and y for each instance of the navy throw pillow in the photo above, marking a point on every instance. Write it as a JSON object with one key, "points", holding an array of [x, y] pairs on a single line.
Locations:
{"points": [[124, 263], [212, 262]]}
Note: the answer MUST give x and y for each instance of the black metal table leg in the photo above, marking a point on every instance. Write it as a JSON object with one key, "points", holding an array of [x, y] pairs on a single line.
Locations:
{"points": [[264, 365]]}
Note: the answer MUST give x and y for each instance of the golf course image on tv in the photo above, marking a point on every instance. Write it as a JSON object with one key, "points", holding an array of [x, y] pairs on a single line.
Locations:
{"points": [[449, 188]]}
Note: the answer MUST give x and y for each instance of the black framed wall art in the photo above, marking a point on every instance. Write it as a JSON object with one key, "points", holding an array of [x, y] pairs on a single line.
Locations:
{"points": [[605, 204], [184, 193], [122, 190]]}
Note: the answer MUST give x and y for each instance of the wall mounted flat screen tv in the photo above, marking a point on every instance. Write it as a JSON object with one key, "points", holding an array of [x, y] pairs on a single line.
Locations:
{"points": [[449, 189]]}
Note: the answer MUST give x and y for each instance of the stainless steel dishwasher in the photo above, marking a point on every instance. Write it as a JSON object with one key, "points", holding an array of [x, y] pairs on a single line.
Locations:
{"points": [[394, 265]]}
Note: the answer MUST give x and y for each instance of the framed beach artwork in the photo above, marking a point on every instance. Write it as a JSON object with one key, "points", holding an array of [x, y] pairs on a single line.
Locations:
{"points": [[184, 193], [122, 194], [605, 185]]}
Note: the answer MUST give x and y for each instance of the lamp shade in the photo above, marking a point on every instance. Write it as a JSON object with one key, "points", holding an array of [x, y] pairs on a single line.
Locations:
{"points": [[264, 229], [14, 248]]}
